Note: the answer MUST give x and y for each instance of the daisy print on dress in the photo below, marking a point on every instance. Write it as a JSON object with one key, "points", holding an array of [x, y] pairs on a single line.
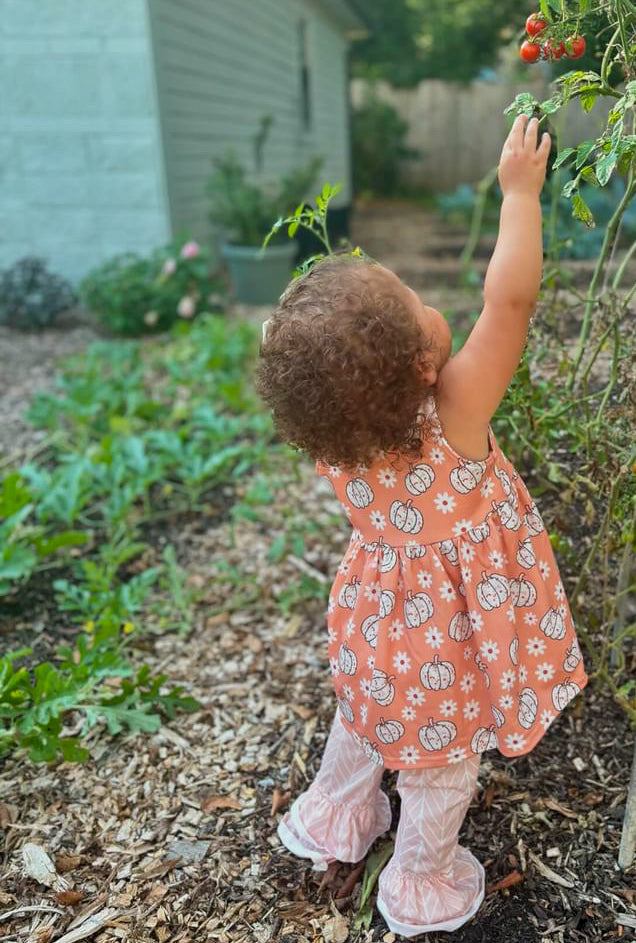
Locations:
{"points": [[466, 476]]}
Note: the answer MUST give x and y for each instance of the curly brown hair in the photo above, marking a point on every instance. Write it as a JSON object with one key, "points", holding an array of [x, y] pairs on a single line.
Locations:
{"points": [[339, 366]]}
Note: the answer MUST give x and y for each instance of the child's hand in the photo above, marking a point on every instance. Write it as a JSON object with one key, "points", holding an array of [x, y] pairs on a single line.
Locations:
{"points": [[522, 164]]}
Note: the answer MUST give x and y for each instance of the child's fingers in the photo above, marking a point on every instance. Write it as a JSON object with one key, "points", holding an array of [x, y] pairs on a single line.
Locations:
{"points": [[515, 138], [530, 139], [544, 147]]}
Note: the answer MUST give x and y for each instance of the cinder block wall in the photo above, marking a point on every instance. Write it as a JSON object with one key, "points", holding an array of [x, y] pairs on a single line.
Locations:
{"points": [[81, 166]]}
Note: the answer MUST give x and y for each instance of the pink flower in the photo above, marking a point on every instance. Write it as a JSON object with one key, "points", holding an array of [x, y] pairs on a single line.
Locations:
{"points": [[190, 250], [169, 267], [186, 307]]}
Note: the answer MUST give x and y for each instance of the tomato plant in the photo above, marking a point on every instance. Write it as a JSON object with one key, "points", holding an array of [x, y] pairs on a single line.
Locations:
{"points": [[535, 24]]}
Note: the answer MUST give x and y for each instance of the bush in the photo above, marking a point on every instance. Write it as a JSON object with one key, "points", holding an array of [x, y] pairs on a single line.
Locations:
{"points": [[132, 295], [248, 210], [378, 134], [31, 296]]}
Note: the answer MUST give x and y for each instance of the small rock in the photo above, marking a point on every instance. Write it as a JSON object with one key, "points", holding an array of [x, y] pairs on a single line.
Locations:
{"points": [[191, 852]]}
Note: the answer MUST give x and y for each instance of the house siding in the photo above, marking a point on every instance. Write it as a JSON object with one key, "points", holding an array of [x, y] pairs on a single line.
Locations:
{"points": [[81, 174], [220, 69]]}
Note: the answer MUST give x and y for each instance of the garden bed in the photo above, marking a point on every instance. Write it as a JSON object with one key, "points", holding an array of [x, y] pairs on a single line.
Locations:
{"points": [[171, 836]]}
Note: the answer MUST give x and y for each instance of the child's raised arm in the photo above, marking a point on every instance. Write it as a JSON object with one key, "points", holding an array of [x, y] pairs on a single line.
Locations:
{"points": [[475, 380]]}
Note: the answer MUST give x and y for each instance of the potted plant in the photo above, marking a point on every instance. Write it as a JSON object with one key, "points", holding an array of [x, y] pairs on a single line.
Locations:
{"points": [[246, 211]]}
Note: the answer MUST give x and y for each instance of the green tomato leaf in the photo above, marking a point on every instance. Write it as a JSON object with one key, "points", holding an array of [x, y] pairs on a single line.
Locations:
{"points": [[581, 211], [570, 187], [563, 156], [588, 100], [605, 166], [292, 229], [583, 151]]}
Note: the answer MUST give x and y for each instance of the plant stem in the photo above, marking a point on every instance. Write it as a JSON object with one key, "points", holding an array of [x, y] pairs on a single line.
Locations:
{"points": [[621, 268], [482, 188], [608, 241], [628, 834]]}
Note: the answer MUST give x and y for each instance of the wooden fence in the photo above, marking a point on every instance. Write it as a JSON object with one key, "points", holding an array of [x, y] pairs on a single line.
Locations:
{"points": [[459, 130]]}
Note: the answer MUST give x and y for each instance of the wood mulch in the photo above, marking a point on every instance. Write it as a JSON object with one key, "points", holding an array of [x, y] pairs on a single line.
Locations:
{"points": [[172, 836]]}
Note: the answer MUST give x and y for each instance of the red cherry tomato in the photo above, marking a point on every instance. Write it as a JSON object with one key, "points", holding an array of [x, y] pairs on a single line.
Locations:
{"points": [[576, 45], [553, 49], [534, 24], [529, 52]]}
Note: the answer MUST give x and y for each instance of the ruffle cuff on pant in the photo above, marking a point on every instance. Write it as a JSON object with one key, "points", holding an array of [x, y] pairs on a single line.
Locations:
{"points": [[420, 903], [316, 827]]}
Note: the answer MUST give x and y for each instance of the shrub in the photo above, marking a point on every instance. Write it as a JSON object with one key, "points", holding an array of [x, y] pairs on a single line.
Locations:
{"points": [[246, 209], [134, 295], [378, 134], [31, 296]]}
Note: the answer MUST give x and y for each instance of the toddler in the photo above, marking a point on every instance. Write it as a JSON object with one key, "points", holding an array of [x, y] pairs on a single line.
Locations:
{"points": [[449, 632]]}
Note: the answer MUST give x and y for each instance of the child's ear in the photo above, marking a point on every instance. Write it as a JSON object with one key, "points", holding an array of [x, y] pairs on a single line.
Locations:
{"points": [[427, 370]]}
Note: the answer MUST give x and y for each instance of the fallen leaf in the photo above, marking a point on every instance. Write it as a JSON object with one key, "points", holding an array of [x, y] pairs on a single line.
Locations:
{"points": [[508, 881], [304, 712], [279, 800], [219, 802], [65, 863], [557, 807], [69, 898], [336, 929], [218, 619], [548, 872]]}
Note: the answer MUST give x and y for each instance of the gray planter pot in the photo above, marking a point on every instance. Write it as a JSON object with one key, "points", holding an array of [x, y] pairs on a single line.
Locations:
{"points": [[259, 278]]}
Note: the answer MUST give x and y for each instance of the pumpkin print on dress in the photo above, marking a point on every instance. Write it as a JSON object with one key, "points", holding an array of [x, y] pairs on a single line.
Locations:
{"points": [[563, 693], [435, 606], [418, 608], [437, 675], [389, 731], [347, 660], [359, 492], [466, 476], [507, 514], [419, 478], [348, 595], [479, 533], [369, 629], [552, 624], [533, 519], [522, 592], [437, 734], [484, 738], [382, 690], [371, 750], [346, 709], [525, 554], [572, 657], [528, 705], [493, 590], [448, 548], [405, 517], [460, 627]]}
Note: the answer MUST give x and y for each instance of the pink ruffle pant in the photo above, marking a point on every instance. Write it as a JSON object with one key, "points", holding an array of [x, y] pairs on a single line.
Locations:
{"points": [[430, 882]]}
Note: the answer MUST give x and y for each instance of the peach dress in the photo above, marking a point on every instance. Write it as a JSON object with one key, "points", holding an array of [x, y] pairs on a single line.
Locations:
{"points": [[449, 632]]}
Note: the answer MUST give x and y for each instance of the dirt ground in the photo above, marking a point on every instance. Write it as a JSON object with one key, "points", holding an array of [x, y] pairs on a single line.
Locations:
{"points": [[172, 836]]}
